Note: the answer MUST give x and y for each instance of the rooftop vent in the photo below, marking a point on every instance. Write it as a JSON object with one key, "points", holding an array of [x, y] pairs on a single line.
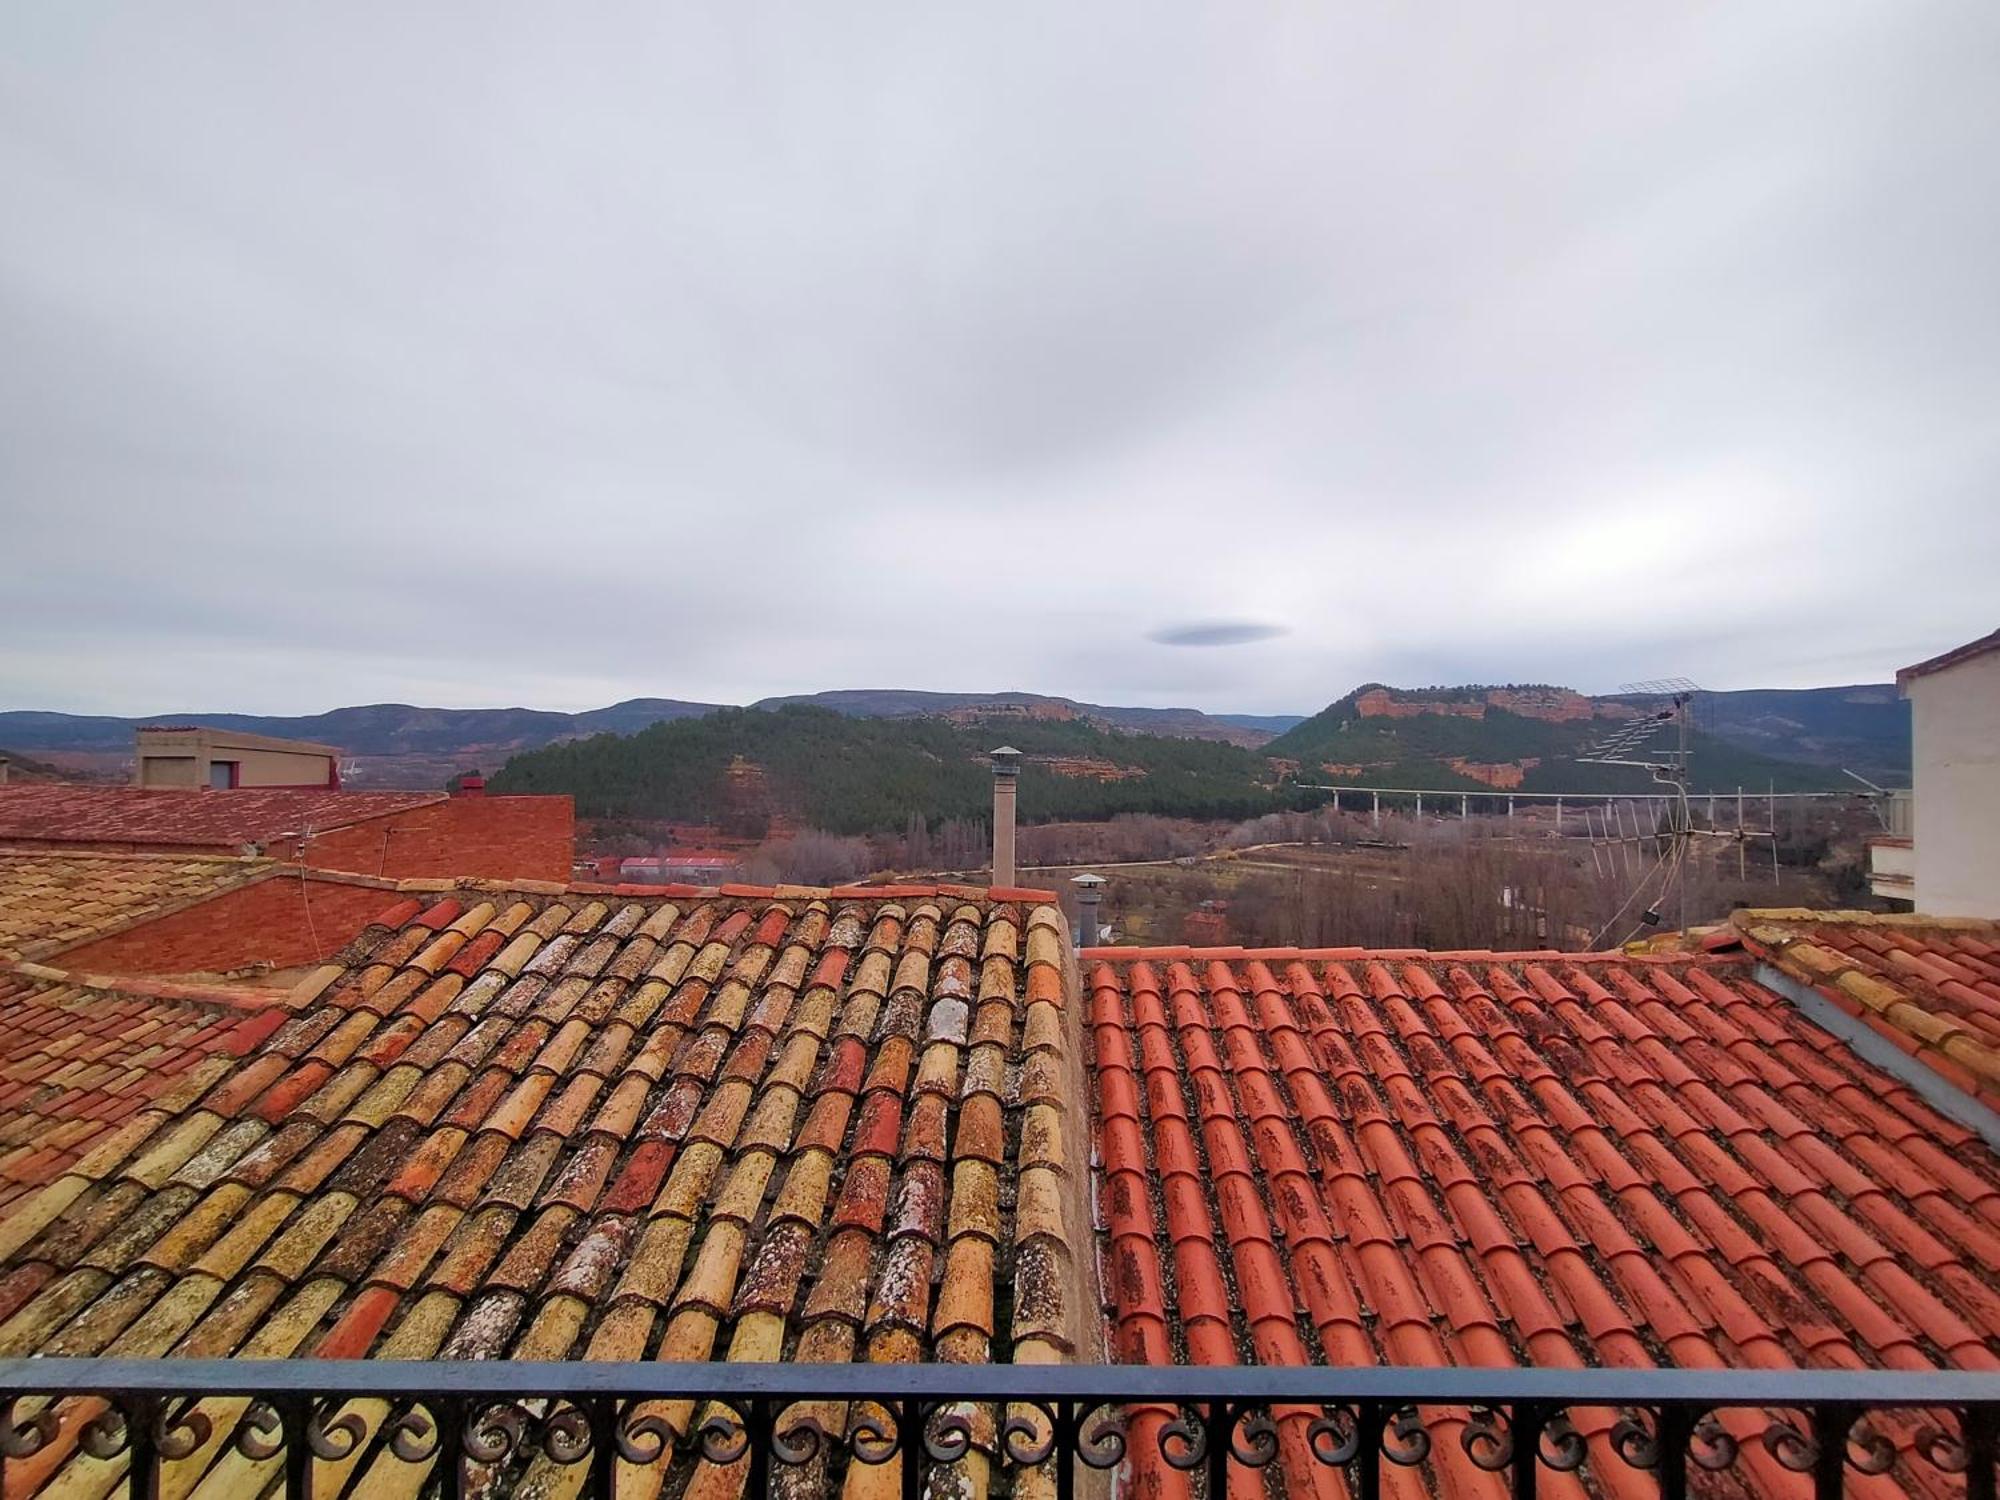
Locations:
{"points": [[1089, 888]]}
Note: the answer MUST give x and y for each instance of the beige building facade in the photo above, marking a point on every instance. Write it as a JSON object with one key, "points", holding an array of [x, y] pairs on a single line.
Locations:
{"points": [[220, 760], [1953, 853]]}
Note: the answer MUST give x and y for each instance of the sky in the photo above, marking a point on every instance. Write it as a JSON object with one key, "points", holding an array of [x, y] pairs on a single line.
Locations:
{"points": [[1145, 354]]}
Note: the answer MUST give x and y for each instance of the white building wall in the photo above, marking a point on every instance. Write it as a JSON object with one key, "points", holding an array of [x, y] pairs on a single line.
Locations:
{"points": [[1955, 741], [1892, 868]]}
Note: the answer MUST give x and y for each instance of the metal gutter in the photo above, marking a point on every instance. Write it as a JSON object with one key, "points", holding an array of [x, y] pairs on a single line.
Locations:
{"points": [[1871, 1046]]}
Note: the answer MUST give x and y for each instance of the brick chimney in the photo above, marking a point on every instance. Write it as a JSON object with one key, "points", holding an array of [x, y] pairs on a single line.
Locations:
{"points": [[471, 784], [1006, 777]]}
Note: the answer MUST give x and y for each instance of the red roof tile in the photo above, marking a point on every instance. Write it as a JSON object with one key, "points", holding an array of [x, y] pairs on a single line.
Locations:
{"points": [[1539, 1161], [52, 899], [408, 834], [568, 1152], [75, 1060], [146, 815], [1930, 985]]}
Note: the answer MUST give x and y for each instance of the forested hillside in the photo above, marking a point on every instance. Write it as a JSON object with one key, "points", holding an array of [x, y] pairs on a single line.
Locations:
{"points": [[1181, 723], [739, 767], [1442, 746]]}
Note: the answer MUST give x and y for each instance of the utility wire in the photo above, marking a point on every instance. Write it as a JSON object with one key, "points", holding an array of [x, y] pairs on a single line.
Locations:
{"points": [[1668, 864], [1672, 865], [305, 894]]}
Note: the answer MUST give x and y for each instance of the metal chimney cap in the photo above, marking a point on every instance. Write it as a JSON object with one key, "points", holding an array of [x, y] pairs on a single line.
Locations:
{"points": [[1090, 883], [1006, 758]]}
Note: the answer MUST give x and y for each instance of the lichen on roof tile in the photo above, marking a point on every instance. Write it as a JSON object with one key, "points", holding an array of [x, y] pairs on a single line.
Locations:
{"points": [[1932, 986], [523, 1125], [56, 899]]}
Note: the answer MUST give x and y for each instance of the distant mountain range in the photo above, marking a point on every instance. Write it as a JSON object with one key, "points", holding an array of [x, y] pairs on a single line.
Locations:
{"points": [[372, 729], [1536, 737], [1271, 724], [1864, 727], [1247, 730], [401, 744]]}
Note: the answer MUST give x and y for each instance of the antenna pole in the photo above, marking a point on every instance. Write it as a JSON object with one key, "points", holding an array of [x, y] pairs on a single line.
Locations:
{"points": [[1685, 815], [1645, 742]]}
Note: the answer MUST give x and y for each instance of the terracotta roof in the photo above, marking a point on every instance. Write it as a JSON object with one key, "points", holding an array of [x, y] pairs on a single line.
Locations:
{"points": [[77, 1059], [1931, 985], [1351, 1158], [51, 899], [805, 1125], [199, 819], [1949, 658]]}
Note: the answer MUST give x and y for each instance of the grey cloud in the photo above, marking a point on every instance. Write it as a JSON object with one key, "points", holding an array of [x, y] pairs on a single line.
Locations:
{"points": [[1215, 633], [717, 353]]}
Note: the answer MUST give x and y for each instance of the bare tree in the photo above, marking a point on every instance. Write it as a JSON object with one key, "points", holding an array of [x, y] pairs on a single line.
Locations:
{"points": [[812, 857]]}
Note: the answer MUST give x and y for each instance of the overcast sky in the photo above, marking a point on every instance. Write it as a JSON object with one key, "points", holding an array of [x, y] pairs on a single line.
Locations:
{"points": [[1225, 356]]}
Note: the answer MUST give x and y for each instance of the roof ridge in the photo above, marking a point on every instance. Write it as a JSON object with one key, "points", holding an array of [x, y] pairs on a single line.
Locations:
{"points": [[1746, 916], [1951, 658], [680, 891], [8, 847], [1228, 953], [233, 997], [56, 900], [1941, 1018]]}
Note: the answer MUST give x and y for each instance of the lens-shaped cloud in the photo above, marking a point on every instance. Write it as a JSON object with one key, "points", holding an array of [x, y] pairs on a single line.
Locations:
{"points": [[1216, 633]]}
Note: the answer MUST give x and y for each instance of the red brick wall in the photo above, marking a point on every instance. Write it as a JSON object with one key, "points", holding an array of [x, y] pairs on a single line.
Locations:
{"points": [[501, 838], [264, 923]]}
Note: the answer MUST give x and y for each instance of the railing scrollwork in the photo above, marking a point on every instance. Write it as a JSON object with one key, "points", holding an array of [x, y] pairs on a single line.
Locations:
{"points": [[488, 1424]]}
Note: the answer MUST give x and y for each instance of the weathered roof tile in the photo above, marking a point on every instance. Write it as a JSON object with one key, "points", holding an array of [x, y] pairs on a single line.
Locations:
{"points": [[1930, 985], [525, 1126]]}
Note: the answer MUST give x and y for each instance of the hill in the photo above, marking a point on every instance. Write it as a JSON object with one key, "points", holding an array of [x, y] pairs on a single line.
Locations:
{"points": [[746, 768], [1517, 737], [888, 703], [25, 768], [1271, 724], [1864, 727], [1760, 735], [401, 744], [369, 729]]}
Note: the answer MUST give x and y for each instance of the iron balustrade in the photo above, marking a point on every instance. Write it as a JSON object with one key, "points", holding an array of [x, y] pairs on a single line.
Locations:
{"points": [[475, 1420]]}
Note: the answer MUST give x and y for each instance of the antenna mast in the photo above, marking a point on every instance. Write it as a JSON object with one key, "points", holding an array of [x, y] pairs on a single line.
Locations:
{"points": [[1657, 742]]}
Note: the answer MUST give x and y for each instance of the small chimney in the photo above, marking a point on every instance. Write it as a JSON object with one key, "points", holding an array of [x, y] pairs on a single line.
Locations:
{"points": [[1088, 889], [1006, 777], [471, 784]]}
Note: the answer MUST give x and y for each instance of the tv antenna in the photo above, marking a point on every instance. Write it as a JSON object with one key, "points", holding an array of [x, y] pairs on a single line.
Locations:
{"points": [[1883, 803], [1657, 742]]}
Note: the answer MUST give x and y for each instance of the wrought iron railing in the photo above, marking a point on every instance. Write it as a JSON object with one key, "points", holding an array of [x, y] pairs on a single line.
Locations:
{"points": [[476, 1427]]}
